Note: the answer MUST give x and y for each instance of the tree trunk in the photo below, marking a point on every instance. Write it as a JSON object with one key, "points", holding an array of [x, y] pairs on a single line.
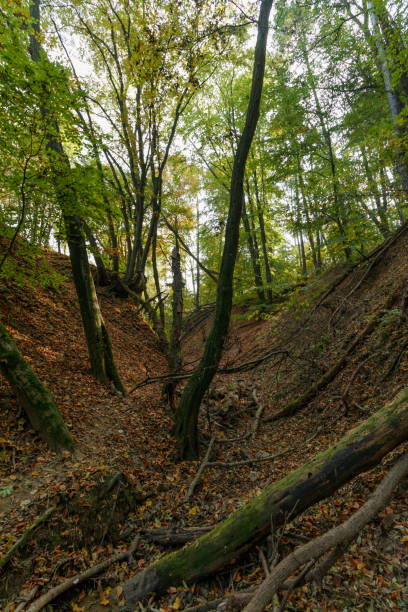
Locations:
{"points": [[338, 199], [186, 430], [382, 221], [394, 102], [175, 359], [268, 273], [256, 268], [337, 538], [360, 449], [99, 347], [37, 401], [102, 274], [197, 294]]}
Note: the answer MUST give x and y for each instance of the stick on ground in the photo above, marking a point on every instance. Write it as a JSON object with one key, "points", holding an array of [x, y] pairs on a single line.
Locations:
{"points": [[345, 532], [200, 470], [52, 594], [18, 544]]}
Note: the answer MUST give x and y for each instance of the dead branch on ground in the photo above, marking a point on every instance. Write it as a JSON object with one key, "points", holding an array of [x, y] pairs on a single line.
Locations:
{"points": [[22, 540], [52, 594], [346, 532], [200, 470]]}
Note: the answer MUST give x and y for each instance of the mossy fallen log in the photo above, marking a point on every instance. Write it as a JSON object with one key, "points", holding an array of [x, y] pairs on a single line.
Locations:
{"points": [[360, 449], [37, 401]]}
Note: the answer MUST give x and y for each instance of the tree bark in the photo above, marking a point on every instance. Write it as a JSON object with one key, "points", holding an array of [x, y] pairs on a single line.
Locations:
{"points": [[360, 449], [186, 430], [37, 401], [256, 268], [268, 272], [102, 273], [99, 347]]}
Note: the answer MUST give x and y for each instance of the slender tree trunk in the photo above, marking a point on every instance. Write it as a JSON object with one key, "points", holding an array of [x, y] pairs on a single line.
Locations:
{"points": [[338, 200], [268, 273], [256, 268], [186, 430], [359, 450], [382, 222], [309, 229], [197, 295], [174, 357], [394, 102], [302, 254], [99, 347], [102, 274], [319, 250], [37, 401], [162, 313]]}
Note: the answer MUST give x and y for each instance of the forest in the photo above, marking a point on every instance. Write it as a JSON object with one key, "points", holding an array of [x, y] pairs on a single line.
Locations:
{"points": [[203, 305]]}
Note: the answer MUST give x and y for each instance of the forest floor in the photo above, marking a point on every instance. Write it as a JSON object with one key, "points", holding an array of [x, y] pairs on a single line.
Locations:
{"points": [[132, 436]]}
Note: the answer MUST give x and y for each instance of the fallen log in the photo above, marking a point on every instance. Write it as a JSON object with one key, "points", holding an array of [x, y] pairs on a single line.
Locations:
{"points": [[360, 449]]}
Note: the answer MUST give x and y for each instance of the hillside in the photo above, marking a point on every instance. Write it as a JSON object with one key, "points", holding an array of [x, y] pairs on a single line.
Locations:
{"points": [[132, 436]]}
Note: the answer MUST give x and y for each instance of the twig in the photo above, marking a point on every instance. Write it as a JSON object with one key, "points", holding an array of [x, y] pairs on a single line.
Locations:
{"points": [[295, 583], [171, 537], [344, 395], [43, 517], [78, 578], [26, 598], [264, 562], [200, 470], [226, 464], [243, 367]]}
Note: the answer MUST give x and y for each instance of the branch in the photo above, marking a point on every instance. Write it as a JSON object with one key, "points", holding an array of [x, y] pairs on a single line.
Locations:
{"points": [[345, 532], [200, 470], [43, 517], [52, 594]]}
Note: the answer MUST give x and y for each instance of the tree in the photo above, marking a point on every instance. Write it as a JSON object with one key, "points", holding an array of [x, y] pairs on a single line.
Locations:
{"points": [[37, 401], [99, 346], [186, 430]]}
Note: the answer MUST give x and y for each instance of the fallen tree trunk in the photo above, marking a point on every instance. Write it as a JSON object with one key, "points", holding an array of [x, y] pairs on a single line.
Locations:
{"points": [[360, 449], [34, 397]]}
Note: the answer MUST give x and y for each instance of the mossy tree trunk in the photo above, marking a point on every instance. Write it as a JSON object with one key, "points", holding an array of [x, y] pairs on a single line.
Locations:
{"points": [[186, 430], [37, 401], [360, 449], [99, 347]]}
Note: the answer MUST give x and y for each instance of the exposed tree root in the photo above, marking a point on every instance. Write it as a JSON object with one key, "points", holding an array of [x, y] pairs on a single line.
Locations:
{"points": [[258, 415]]}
